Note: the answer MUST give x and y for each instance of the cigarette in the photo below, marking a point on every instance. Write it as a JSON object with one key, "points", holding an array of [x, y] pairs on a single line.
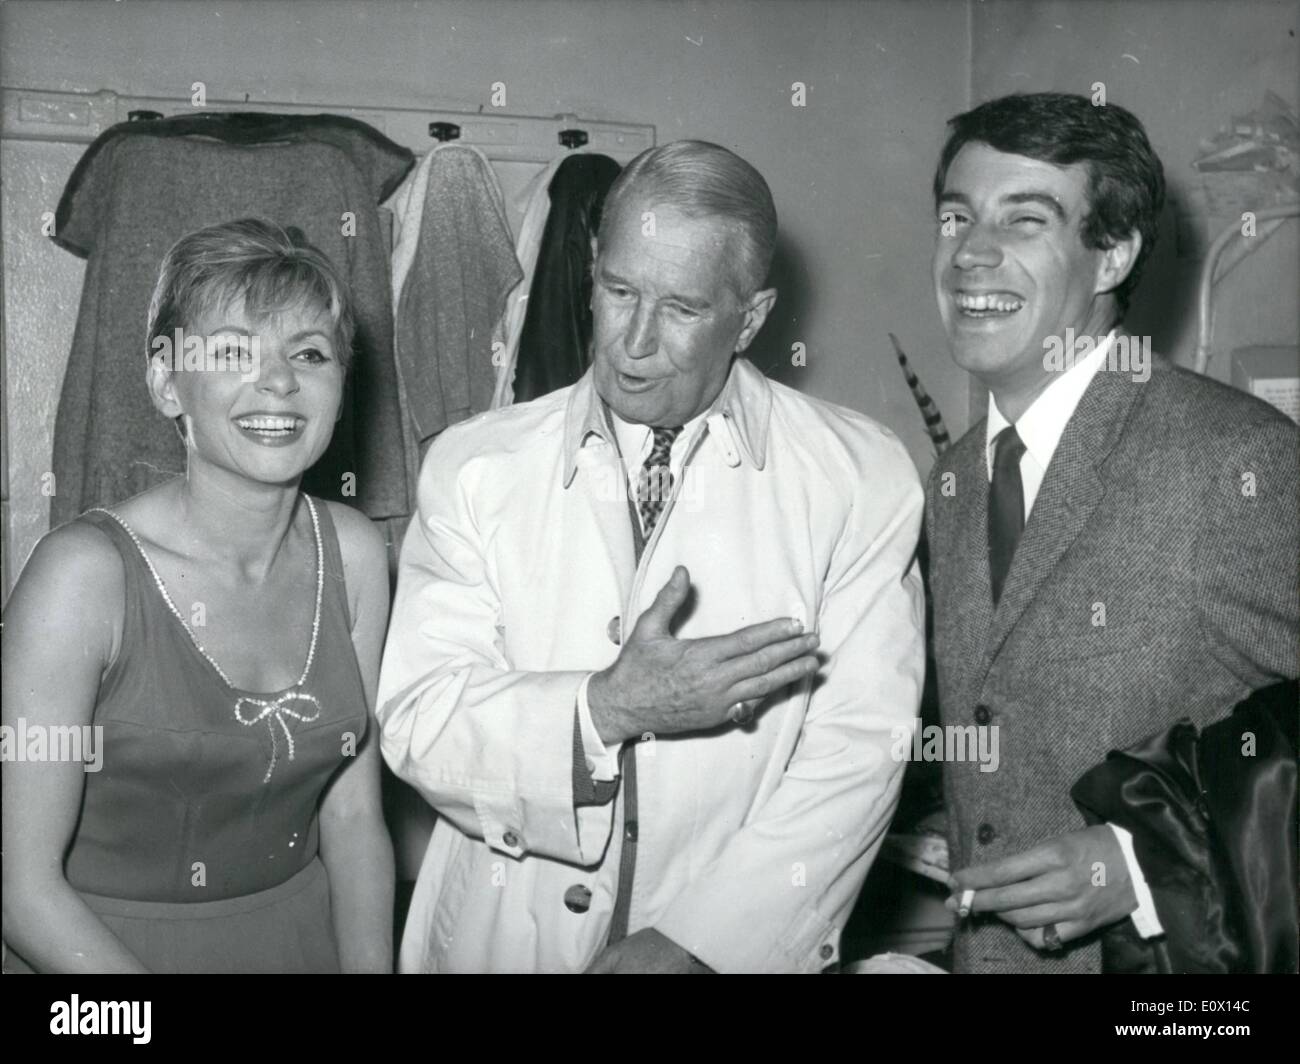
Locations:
{"points": [[964, 906]]}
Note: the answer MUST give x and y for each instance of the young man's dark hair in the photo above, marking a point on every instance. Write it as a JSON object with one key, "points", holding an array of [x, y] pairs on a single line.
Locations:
{"points": [[1126, 183]]}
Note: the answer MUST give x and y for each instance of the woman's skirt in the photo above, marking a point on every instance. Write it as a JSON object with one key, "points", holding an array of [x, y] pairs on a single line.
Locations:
{"points": [[287, 928]]}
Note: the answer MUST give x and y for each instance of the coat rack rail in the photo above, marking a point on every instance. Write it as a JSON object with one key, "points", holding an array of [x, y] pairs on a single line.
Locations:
{"points": [[75, 117]]}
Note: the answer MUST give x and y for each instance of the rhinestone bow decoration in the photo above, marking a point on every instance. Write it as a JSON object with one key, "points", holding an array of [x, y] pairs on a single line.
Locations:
{"points": [[273, 711]]}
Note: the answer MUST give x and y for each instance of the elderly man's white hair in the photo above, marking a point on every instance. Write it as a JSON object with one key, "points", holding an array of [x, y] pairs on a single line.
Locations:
{"points": [[704, 180]]}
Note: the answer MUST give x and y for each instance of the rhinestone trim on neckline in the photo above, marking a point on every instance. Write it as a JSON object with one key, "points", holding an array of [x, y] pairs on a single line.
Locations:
{"points": [[270, 710]]}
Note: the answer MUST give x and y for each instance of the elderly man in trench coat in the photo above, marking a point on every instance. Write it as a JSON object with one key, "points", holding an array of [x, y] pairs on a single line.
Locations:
{"points": [[656, 635]]}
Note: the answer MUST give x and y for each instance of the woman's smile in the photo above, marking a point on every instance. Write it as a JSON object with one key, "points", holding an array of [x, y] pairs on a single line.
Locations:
{"points": [[271, 430]]}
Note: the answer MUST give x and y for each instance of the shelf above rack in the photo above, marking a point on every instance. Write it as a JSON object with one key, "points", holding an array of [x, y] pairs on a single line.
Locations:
{"points": [[75, 117]]}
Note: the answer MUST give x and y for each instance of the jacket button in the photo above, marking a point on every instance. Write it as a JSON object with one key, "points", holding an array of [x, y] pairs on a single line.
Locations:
{"points": [[510, 839], [629, 831], [985, 834], [827, 951], [612, 630], [577, 899], [982, 715]]}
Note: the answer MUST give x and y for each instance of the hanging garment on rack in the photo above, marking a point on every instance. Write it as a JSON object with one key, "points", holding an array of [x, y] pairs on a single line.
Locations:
{"points": [[140, 187], [534, 205], [556, 337], [453, 266]]}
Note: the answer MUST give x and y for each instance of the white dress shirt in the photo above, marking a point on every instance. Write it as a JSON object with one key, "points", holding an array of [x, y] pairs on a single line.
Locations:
{"points": [[1040, 428]]}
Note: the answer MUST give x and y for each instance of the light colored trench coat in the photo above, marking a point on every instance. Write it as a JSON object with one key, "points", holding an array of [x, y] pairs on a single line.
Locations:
{"points": [[518, 578]]}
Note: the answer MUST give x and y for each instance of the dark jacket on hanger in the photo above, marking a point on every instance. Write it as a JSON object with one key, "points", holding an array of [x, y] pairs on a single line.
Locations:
{"points": [[554, 346], [1213, 817], [140, 187]]}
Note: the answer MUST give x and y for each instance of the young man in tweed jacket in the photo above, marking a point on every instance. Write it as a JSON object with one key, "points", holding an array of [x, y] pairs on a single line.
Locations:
{"points": [[1113, 548]]}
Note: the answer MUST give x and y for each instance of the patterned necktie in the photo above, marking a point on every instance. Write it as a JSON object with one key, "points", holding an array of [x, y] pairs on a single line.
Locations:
{"points": [[654, 486], [1006, 506]]}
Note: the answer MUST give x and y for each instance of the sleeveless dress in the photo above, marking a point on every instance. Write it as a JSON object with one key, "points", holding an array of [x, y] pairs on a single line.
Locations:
{"points": [[185, 849]]}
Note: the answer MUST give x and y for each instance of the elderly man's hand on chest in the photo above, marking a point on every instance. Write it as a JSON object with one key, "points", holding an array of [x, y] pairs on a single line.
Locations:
{"points": [[663, 685]]}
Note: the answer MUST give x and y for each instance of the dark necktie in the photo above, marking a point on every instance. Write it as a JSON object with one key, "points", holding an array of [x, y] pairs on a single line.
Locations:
{"points": [[1006, 506], [655, 484]]}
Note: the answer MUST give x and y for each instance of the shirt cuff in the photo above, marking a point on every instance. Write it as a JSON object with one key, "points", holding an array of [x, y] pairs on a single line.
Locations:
{"points": [[602, 760], [1144, 916]]}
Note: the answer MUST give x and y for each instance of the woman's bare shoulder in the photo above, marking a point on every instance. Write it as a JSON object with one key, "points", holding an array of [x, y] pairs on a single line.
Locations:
{"points": [[365, 561], [72, 586], [360, 541], [77, 555]]}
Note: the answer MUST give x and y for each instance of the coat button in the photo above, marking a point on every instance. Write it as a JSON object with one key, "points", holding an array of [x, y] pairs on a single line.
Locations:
{"points": [[982, 715], [629, 831], [827, 951], [510, 839], [612, 630], [985, 834], [577, 899]]}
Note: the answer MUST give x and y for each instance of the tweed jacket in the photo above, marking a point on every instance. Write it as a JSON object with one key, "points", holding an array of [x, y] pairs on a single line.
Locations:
{"points": [[1155, 579]]}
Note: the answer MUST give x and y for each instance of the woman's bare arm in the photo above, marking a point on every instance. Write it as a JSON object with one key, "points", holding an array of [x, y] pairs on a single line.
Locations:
{"points": [[61, 629], [354, 841]]}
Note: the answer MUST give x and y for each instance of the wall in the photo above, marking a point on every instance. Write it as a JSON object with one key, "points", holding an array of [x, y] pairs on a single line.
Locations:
{"points": [[849, 171], [1184, 69]]}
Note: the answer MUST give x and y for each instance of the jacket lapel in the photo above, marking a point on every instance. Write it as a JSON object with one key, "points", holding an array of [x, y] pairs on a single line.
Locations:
{"points": [[1070, 492]]}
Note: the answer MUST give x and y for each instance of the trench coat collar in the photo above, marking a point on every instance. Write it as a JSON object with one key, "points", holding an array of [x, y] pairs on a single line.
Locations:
{"points": [[741, 413]]}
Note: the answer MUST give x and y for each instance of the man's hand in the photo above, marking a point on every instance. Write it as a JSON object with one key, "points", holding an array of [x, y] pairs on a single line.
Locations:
{"points": [[1079, 882], [646, 952], [665, 685]]}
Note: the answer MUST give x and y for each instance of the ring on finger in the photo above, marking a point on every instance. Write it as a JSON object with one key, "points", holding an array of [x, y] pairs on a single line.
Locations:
{"points": [[741, 713], [1052, 939]]}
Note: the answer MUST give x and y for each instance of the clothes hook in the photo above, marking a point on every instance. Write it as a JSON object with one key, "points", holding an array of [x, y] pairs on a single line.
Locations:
{"points": [[444, 131]]}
